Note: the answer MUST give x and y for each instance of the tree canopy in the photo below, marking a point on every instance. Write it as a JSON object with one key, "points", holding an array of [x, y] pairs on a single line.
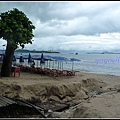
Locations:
{"points": [[16, 28]]}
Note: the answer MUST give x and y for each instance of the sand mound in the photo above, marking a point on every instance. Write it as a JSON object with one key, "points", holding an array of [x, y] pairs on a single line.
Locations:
{"points": [[61, 92], [84, 92]]}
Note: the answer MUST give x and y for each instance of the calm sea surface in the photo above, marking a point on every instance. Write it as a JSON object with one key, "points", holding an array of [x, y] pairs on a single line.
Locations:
{"points": [[95, 63]]}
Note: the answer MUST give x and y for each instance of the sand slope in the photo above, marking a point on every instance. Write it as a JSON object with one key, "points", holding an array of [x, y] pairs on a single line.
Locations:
{"points": [[97, 95]]}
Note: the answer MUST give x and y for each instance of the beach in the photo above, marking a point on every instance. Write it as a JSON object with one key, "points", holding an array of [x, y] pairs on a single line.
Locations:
{"points": [[91, 95]]}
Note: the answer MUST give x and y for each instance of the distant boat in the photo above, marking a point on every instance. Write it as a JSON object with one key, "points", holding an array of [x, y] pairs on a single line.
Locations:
{"points": [[76, 53]]}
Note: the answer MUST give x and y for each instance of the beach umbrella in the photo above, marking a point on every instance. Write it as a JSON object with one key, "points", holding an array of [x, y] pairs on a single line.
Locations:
{"points": [[48, 60], [21, 60], [36, 57], [29, 58], [74, 59], [14, 59], [59, 60], [42, 61], [1, 57]]}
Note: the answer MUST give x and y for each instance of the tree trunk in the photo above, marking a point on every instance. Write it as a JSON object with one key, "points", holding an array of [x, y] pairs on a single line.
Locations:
{"points": [[7, 61]]}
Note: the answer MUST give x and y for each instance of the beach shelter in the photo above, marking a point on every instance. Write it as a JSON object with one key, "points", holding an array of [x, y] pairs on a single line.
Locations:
{"points": [[42, 60], [29, 59]]}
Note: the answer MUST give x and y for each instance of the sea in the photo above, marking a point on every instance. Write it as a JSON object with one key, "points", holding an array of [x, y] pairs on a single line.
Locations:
{"points": [[92, 63]]}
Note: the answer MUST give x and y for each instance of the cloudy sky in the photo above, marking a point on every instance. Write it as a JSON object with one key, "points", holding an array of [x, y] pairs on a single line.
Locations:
{"points": [[71, 26]]}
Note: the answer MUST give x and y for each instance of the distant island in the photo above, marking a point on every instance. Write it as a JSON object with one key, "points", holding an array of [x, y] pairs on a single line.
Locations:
{"points": [[103, 53], [34, 51], [69, 52]]}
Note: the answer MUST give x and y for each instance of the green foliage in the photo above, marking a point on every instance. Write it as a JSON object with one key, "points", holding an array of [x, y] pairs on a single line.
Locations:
{"points": [[16, 28]]}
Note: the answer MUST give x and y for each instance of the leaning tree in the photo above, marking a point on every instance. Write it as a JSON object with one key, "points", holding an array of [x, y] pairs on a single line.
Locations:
{"points": [[17, 30]]}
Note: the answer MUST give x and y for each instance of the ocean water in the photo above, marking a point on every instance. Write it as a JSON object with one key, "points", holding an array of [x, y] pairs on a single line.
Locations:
{"points": [[93, 63]]}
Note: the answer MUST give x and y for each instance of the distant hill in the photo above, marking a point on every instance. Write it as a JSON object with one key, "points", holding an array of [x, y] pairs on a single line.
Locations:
{"points": [[68, 52], [34, 51]]}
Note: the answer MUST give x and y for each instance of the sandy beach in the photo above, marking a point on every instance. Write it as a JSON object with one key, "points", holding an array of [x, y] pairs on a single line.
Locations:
{"points": [[94, 95]]}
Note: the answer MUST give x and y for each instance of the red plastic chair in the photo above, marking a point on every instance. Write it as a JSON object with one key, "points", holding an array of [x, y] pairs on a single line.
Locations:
{"points": [[15, 70]]}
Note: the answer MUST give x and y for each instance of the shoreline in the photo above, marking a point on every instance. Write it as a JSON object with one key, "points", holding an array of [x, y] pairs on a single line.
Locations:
{"points": [[100, 73]]}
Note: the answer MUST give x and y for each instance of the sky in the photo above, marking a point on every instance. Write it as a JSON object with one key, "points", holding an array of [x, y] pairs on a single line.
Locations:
{"points": [[70, 25]]}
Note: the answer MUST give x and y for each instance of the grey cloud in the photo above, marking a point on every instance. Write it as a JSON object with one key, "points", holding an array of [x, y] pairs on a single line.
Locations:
{"points": [[93, 18], [59, 22]]}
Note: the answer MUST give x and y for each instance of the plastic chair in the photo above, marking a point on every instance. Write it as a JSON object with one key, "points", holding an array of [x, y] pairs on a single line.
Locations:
{"points": [[15, 70]]}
